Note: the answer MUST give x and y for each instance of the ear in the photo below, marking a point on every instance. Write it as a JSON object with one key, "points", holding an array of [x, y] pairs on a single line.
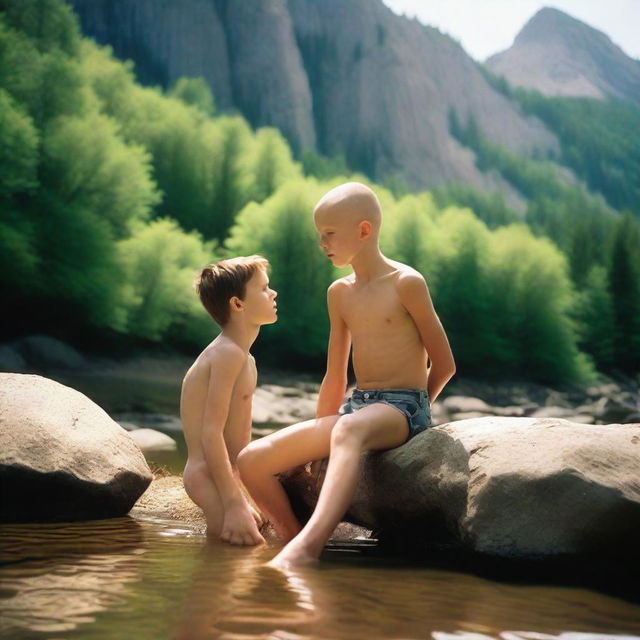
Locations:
{"points": [[365, 229], [236, 304]]}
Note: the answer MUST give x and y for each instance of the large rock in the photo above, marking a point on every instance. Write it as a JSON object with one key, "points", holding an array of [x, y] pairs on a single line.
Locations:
{"points": [[61, 456], [510, 487]]}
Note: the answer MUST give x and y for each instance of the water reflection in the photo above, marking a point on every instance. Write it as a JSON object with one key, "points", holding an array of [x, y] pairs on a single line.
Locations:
{"points": [[57, 576], [152, 580]]}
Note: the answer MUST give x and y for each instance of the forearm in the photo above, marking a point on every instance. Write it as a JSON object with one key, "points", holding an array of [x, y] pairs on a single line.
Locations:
{"points": [[439, 375], [331, 395], [221, 471]]}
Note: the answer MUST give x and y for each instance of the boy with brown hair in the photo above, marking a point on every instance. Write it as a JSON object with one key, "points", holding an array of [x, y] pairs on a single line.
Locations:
{"points": [[385, 311], [215, 404]]}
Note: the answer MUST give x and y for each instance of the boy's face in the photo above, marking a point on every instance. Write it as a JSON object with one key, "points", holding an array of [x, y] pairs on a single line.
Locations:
{"points": [[260, 300], [340, 237]]}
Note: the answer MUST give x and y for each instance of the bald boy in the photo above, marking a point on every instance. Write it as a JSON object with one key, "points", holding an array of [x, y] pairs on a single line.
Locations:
{"points": [[383, 313]]}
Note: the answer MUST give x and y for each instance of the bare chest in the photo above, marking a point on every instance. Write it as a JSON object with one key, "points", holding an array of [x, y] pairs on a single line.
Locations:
{"points": [[373, 308]]}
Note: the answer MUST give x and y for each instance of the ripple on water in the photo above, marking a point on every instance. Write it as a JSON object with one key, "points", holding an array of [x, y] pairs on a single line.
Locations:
{"points": [[126, 578]]}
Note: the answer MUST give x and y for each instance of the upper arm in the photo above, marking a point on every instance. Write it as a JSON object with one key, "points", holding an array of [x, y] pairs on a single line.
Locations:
{"points": [[224, 369], [339, 336], [415, 297]]}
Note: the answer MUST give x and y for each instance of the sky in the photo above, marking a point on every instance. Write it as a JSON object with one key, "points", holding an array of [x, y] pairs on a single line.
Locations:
{"points": [[485, 27]]}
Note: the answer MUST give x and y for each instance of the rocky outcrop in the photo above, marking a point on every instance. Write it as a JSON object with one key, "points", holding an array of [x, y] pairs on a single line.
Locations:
{"points": [[509, 487], [61, 457], [561, 56], [346, 78]]}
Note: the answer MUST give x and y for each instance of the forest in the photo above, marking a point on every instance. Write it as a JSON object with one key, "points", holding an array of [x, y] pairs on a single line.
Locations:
{"points": [[113, 195]]}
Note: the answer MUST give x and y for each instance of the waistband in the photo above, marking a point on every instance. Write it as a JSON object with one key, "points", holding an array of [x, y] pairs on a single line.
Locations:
{"points": [[420, 395]]}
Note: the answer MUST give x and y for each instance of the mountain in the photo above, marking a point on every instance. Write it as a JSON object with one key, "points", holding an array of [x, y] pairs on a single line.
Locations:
{"points": [[347, 78], [561, 56]]}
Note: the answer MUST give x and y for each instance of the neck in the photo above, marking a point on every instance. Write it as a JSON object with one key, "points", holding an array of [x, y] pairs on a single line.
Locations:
{"points": [[242, 334], [369, 263]]}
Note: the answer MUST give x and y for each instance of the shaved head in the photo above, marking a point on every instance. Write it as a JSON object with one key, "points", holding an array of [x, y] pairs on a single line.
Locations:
{"points": [[351, 201]]}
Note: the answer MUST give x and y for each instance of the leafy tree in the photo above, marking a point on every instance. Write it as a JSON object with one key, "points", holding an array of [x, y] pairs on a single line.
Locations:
{"points": [[51, 24], [624, 282], [18, 149], [89, 166], [195, 92], [160, 263], [230, 175], [531, 298], [594, 314], [272, 164]]}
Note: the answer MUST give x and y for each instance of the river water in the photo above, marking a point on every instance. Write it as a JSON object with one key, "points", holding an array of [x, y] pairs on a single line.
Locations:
{"points": [[128, 578]]}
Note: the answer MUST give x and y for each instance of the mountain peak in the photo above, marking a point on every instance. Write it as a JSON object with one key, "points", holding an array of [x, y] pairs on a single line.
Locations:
{"points": [[562, 56]]}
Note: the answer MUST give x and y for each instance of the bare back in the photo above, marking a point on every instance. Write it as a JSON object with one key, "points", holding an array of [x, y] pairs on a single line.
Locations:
{"points": [[388, 352], [195, 386]]}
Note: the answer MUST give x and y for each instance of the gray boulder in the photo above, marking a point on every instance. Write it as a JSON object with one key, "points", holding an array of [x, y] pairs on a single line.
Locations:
{"points": [[62, 457], [509, 487], [152, 440]]}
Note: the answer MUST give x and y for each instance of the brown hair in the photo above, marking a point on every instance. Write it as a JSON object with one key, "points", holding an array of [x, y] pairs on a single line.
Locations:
{"points": [[221, 281]]}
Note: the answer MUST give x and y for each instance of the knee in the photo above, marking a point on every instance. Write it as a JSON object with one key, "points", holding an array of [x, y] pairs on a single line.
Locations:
{"points": [[347, 433], [251, 460]]}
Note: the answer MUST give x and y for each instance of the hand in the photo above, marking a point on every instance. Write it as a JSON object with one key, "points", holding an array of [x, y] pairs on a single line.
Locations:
{"points": [[240, 527], [260, 521]]}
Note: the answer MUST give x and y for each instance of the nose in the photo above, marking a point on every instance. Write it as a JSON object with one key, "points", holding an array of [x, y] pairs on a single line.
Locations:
{"points": [[274, 294], [323, 242]]}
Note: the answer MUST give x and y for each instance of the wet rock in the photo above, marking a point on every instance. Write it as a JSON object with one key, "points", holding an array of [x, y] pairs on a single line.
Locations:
{"points": [[617, 409], [467, 415], [510, 487], [152, 440], [581, 418], [44, 352], [553, 412], [283, 405], [142, 419], [62, 457], [460, 404]]}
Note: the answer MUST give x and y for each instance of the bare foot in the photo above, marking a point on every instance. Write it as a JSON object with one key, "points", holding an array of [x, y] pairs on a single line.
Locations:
{"points": [[291, 557]]}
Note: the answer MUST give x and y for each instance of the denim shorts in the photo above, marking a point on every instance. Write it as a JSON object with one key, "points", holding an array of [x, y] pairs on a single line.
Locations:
{"points": [[414, 404]]}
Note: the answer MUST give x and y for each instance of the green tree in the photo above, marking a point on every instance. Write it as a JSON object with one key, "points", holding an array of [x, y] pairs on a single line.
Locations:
{"points": [[272, 164], [51, 24], [89, 166], [531, 299], [624, 282], [195, 92], [18, 149], [160, 263], [594, 315]]}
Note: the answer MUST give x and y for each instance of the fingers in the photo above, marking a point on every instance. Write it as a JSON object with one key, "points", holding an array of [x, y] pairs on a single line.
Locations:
{"points": [[242, 538]]}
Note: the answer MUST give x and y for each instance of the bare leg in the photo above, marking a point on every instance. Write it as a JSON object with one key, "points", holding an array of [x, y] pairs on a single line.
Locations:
{"points": [[202, 490], [261, 460], [378, 426]]}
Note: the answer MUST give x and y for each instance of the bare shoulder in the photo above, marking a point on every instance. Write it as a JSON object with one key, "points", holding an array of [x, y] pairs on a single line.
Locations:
{"points": [[341, 284], [408, 278], [339, 287], [224, 354]]}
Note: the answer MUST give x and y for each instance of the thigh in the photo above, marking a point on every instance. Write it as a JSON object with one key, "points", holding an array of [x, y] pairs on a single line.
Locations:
{"points": [[202, 490], [379, 426], [295, 445]]}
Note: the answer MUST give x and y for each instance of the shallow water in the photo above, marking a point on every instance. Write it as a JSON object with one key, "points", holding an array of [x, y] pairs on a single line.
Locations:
{"points": [[126, 578]]}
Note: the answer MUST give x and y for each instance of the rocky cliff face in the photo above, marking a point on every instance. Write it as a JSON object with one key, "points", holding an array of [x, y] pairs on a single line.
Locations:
{"points": [[561, 56], [342, 77]]}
